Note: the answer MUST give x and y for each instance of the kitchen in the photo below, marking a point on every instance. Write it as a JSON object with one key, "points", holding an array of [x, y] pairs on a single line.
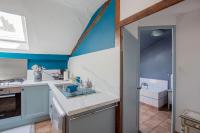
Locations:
{"points": [[25, 102], [66, 67], [30, 101], [73, 90]]}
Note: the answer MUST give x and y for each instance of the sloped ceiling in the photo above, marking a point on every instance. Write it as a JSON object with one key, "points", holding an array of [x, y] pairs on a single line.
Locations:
{"points": [[147, 40], [73, 17], [84, 9], [53, 26]]}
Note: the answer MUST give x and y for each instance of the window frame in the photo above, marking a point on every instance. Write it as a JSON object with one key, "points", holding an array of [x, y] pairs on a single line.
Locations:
{"points": [[22, 45]]}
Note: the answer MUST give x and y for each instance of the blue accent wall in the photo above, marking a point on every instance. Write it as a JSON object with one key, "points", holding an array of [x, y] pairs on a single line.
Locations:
{"points": [[156, 60], [49, 61], [102, 36], [48, 64]]}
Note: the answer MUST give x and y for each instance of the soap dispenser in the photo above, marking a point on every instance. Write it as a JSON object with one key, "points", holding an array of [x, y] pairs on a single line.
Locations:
{"points": [[66, 75], [89, 84]]}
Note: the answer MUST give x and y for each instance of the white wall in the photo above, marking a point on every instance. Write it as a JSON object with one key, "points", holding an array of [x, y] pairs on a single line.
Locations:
{"points": [[101, 67], [130, 7], [188, 63], [46, 75]]}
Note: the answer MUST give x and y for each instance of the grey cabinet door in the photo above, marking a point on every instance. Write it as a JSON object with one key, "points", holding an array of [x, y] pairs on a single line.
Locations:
{"points": [[35, 102], [98, 122]]}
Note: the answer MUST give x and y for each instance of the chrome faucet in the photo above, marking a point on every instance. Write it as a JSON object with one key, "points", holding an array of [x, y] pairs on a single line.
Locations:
{"points": [[144, 84]]}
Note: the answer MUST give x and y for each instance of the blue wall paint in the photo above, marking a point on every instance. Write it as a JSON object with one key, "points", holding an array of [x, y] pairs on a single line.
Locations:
{"points": [[49, 61], [156, 60], [48, 64], [102, 36], [33, 56]]}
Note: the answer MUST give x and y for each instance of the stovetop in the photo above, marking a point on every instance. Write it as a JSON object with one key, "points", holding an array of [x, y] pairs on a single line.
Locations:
{"points": [[11, 82]]}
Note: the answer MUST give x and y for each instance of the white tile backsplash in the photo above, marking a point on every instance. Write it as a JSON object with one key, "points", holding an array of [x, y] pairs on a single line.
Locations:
{"points": [[45, 74], [101, 67]]}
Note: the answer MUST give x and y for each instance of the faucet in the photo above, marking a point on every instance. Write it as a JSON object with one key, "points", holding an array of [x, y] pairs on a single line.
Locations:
{"points": [[144, 84]]}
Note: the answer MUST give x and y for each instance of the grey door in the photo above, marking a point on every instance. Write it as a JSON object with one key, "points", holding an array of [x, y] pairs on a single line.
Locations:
{"points": [[130, 94]]}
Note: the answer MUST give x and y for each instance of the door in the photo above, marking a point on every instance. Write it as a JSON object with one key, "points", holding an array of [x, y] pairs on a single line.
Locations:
{"points": [[130, 94], [35, 101]]}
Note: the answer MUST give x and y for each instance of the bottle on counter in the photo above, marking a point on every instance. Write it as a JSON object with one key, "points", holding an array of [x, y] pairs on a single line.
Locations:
{"points": [[66, 75], [89, 84]]}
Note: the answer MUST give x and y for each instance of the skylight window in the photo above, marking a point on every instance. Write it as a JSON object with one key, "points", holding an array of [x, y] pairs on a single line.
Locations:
{"points": [[13, 33]]}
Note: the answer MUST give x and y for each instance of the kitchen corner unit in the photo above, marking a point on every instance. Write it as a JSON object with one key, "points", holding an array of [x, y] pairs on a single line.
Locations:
{"points": [[93, 113], [86, 113]]}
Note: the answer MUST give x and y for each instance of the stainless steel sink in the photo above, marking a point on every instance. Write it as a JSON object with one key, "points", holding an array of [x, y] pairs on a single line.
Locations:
{"points": [[80, 91]]}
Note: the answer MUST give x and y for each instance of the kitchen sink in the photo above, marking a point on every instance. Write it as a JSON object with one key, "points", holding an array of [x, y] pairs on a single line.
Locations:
{"points": [[79, 92]]}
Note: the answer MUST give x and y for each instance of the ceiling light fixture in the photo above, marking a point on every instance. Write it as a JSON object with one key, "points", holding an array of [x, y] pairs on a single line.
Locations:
{"points": [[157, 33]]}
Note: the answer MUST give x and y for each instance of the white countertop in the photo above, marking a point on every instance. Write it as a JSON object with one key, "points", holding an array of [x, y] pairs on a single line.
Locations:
{"points": [[27, 83], [77, 104], [47, 82], [80, 104]]}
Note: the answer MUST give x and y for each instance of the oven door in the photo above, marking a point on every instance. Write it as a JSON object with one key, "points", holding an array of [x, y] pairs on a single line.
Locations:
{"points": [[10, 105]]}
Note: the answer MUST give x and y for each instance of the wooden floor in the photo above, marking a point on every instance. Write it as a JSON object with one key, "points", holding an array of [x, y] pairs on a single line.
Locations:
{"points": [[154, 121], [43, 127]]}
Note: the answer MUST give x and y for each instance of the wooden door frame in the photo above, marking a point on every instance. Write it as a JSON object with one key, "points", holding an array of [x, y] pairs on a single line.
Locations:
{"points": [[119, 24]]}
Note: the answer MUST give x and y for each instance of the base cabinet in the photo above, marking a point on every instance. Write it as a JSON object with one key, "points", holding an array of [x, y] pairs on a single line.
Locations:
{"points": [[34, 107], [96, 121], [35, 102]]}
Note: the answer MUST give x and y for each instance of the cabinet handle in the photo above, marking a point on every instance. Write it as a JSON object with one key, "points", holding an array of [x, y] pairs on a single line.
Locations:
{"points": [[2, 115], [92, 113]]}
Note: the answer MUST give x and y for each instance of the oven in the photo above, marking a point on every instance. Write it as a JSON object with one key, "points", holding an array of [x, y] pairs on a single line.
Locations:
{"points": [[10, 102]]}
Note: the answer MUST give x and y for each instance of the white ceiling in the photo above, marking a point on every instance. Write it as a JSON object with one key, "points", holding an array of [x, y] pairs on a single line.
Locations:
{"points": [[81, 11], [53, 26], [147, 40], [84, 9]]}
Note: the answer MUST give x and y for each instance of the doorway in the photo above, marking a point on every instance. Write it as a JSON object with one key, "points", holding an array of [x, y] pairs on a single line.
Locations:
{"points": [[156, 79], [153, 77]]}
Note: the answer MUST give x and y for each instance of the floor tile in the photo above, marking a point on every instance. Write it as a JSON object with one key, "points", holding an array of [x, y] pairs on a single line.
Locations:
{"points": [[43, 127], [160, 129], [153, 120]]}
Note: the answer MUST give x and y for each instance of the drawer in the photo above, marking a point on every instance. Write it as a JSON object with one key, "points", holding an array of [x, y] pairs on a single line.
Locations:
{"points": [[4, 91], [15, 90], [192, 124]]}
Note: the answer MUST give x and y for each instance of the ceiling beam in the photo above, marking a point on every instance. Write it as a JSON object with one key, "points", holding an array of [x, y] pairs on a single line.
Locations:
{"points": [[87, 31], [148, 11], [117, 22]]}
